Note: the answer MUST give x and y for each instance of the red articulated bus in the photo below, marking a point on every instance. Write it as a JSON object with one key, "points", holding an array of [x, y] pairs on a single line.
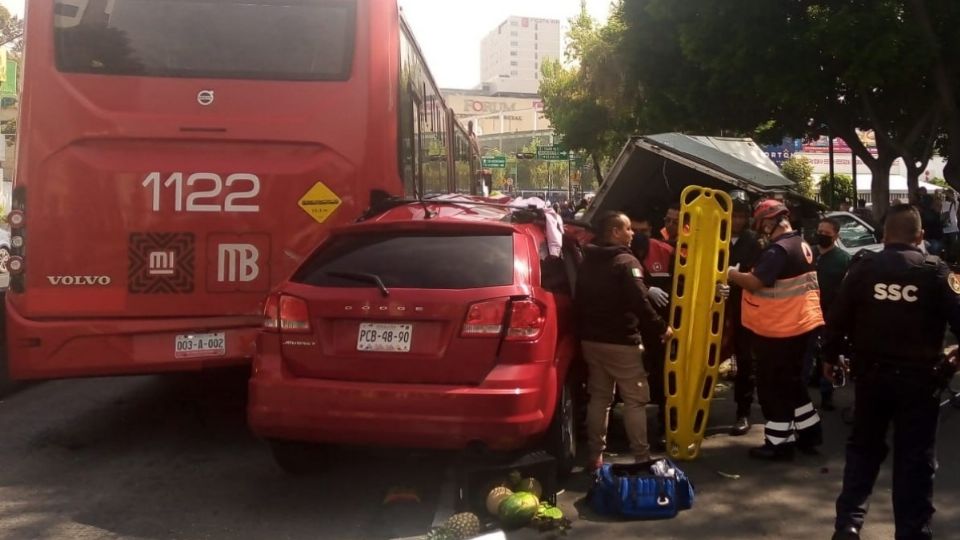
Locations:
{"points": [[179, 158]]}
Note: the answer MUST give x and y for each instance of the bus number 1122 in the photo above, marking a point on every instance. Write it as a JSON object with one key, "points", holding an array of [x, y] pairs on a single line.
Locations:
{"points": [[200, 191]]}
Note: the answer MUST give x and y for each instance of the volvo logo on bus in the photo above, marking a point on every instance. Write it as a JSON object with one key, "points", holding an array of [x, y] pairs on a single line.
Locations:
{"points": [[205, 97], [71, 281]]}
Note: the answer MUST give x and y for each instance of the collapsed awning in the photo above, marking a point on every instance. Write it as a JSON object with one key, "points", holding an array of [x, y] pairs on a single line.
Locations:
{"points": [[652, 171]]}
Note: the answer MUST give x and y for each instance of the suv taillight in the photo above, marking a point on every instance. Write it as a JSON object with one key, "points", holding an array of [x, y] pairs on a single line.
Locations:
{"points": [[271, 312], [485, 319], [288, 314], [294, 315], [526, 320]]}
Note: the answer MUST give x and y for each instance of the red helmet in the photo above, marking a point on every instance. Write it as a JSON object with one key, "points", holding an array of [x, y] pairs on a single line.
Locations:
{"points": [[768, 209]]}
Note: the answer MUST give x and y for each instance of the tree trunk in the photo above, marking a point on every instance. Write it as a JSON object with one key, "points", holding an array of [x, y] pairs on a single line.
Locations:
{"points": [[879, 166], [880, 189], [596, 169], [913, 183]]}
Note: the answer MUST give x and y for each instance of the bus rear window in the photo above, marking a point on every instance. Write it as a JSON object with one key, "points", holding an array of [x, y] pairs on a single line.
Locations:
{"points": [[299, 40]]}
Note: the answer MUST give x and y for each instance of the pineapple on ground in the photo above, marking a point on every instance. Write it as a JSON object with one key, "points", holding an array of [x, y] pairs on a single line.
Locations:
{"points": [[462, 526], [439, 533]]}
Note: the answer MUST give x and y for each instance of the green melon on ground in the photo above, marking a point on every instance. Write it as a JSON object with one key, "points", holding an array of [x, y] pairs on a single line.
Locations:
{"points": [[518, 509]]}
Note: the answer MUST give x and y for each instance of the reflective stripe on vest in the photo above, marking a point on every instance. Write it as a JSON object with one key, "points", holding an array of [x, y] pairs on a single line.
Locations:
{"points": [[790, 308]]}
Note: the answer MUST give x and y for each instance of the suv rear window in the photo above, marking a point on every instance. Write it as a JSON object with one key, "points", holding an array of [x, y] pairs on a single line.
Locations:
{"points": [[413, 261], [309, 40]]}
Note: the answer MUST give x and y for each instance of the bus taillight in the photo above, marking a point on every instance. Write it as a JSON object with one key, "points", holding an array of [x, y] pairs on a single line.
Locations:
{"points": [[18, 224], [16, 219], [15, 266]]}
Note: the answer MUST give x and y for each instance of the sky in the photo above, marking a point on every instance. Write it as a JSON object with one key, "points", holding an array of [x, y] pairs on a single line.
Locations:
{"points": [[450, 31]]}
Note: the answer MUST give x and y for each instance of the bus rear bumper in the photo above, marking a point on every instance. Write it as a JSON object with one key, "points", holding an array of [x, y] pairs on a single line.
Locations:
{"points": [[52, 349]]}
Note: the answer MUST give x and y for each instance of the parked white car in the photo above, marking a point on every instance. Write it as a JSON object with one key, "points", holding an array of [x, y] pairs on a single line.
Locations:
{"points": [[855, 233]]}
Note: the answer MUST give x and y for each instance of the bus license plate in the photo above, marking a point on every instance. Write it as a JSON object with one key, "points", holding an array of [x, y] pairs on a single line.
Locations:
{"points": [[384, 337], [194, 345]]}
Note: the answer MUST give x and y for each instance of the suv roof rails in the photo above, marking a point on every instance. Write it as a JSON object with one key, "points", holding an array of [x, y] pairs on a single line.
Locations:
{"points": [[389, 204]]}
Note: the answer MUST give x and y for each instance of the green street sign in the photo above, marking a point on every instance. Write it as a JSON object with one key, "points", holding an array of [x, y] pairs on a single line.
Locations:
{"points": [[552, 153], [494, 162], [9, 85]]}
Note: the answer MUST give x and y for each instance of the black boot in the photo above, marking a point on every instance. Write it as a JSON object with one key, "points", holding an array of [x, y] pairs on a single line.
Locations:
{"points": [[769, 452], [740, 427], [846, 533]]}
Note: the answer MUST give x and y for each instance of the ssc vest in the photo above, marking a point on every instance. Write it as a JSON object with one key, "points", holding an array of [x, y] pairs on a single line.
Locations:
{"points": [[899, 318], [792, 306]]}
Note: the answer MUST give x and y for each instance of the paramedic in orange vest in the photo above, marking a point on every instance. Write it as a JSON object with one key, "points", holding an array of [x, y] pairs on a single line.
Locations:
{"points": [[781, 306]]}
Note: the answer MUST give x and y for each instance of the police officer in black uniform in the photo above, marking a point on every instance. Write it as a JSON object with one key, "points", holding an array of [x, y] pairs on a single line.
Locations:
{"points": [[894, 306]]}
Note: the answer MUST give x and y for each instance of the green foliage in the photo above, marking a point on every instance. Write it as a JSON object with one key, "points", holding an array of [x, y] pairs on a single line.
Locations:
{"points": [[588, 103], [800, 171], [832, 193], [11, 30], [937, 181], [718, 66]]}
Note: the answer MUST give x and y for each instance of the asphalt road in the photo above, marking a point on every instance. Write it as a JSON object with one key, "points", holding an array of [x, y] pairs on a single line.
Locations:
{"points": [[170, 457]]}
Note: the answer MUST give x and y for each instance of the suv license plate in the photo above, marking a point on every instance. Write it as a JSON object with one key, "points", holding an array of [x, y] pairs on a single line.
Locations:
{"points": [[195, 345], [384, 337]]}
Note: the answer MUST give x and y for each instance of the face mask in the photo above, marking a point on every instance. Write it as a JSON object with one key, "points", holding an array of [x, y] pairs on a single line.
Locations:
{"points": [[640, 245], [824, 241]]}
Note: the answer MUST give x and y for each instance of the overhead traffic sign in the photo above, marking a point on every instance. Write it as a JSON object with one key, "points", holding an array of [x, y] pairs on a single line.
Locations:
{"points": [[552, 153], [494, 162]]}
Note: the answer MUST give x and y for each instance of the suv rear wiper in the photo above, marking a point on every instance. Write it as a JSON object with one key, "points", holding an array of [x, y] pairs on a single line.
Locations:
{"points": [[362, 276]]}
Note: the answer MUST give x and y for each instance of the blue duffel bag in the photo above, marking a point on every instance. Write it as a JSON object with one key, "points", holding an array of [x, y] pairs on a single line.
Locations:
{"points": [[634, 491]]}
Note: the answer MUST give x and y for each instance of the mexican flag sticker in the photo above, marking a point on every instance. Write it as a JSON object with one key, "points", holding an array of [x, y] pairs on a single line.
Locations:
{"points": [[635, 272]]}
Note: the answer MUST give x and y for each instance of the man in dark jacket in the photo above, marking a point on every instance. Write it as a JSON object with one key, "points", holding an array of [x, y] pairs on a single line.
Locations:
{"points": [[612, 306]]}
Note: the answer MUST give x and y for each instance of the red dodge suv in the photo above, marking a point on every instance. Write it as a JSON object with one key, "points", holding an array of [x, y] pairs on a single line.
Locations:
{"points": [[429, 325]]}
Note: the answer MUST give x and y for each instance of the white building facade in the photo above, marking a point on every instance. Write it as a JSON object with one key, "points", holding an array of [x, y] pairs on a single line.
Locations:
{"points": [[511, 55]]}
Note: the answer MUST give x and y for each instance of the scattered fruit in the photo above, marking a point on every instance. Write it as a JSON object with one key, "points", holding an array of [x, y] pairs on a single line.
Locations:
{"points": [[463, 526], [496, 496], [401, 495], [518, 509], [530, 485], [439, 533], [547, 512]]}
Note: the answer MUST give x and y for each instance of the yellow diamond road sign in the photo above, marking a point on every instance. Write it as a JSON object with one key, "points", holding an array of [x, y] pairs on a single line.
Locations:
{"points": [[320, 202]]}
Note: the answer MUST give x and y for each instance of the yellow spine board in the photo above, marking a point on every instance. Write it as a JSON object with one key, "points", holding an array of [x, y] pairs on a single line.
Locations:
{"points": [[696, 315]]}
